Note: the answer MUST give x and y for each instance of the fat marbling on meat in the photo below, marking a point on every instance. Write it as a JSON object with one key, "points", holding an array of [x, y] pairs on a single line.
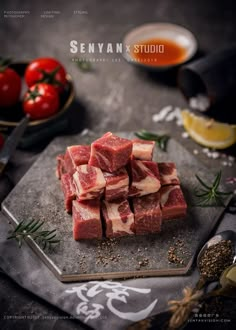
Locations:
{"points": [[75, 156], [60, 169], [147, 214], [144, 178], [173, 205], [68, 190], [119, 220], [168, 173], [143, 149], [117, 184], [89, 182]]}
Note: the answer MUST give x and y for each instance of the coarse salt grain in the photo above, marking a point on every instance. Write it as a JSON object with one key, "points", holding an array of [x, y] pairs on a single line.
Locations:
{"points": [[185, 135], [178, 114], [195, 151], [215, 154], [224, 163], [162, 114], [171, 116], [231, 158], [168, 114], [175, 115], [199, 102], [84, 132], [155, 117], [179, 123], [208, 154], [205, 150]]}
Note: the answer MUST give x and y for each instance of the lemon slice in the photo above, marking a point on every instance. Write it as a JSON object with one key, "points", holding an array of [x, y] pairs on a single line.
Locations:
{"points": [[208, 132]]}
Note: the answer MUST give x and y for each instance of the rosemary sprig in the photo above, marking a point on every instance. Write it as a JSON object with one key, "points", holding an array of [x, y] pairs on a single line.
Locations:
{"points": [[161, 140], [33, 229], [209, 195]]}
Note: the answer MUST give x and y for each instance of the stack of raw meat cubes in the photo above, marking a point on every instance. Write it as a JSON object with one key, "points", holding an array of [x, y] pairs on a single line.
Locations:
{"points": [[113, 188]]}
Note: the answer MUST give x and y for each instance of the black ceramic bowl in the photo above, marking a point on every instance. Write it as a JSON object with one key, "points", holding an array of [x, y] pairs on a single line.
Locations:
{"points": [[10, 117]]}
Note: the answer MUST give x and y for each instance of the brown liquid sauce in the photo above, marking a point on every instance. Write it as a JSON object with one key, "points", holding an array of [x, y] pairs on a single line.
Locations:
{"points": [[163, 52]]}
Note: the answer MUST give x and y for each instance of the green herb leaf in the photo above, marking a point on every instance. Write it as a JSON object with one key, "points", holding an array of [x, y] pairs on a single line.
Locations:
{"points": [[33, 229], [202, 182], [209, 195], [84, 66], [50, 77], [4, 63], [161, 140]]}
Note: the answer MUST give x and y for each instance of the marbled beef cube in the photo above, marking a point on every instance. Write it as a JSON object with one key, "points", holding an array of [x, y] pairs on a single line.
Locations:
{"points": [[173, 205], [68, 190], [89, 182], [143, 149], [60, 166], [86, 219], [168, 174], [147, 214], [117, 184], [110, 152], [75, 156], [119, 219], [144, 178]]}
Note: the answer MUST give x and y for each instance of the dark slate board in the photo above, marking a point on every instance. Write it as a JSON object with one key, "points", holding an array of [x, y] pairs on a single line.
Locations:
{"points": [[38, 196]]}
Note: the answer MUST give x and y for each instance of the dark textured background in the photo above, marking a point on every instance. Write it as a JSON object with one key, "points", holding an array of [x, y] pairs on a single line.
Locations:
{"points": [[113, 96]]}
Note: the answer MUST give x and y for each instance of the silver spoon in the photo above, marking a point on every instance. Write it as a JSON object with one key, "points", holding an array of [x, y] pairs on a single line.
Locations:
{"points": [[228, 235], [225, 235]]}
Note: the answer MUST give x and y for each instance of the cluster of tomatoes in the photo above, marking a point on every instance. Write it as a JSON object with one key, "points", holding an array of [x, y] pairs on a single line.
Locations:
{"points": [[45, 79]]}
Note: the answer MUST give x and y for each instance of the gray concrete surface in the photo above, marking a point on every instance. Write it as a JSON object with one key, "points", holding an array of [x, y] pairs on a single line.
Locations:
{"points": [[114, 96]]}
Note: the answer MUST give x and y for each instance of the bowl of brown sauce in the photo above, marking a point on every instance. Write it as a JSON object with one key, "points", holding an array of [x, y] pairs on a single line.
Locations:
{"points": [[159, 46]]}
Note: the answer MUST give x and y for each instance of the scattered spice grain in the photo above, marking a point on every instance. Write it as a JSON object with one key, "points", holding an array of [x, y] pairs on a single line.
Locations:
{"points": [[216, 259]]}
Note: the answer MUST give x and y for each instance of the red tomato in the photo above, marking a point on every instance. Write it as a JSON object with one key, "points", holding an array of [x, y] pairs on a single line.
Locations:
{"points": [[10, 87], [41, 101], [47, 70]]}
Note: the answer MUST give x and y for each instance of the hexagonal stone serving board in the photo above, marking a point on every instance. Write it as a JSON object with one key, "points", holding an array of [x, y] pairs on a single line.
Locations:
{"points": [[38, 196]]}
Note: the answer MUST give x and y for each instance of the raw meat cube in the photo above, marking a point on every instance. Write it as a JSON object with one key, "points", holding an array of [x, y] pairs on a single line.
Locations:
{"points": [[147, 214], [86, 219], [168, 174], [89, 182], [145, 178], [75, 156], [173, 205], [110, 152], [68, 189], [118, 217], [143, 149], [117, 184], [60, 166]]}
